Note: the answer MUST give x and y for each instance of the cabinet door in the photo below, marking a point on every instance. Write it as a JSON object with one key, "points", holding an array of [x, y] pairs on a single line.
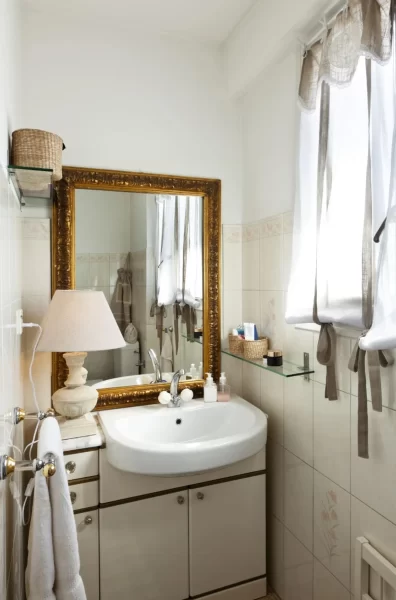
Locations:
{"points": [[144, 549], [87, 524], [227, 534]]}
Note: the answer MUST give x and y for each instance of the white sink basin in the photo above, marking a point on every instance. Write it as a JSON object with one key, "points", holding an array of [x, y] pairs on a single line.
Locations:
{"points": [[197, 437]]}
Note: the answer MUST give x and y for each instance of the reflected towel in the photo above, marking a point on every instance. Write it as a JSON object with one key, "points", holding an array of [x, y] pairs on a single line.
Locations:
{"points": [[167, 354], [53, 570]]}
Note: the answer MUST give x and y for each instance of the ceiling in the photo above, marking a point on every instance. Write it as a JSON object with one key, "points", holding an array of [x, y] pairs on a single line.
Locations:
{"points": [[209, 20]]}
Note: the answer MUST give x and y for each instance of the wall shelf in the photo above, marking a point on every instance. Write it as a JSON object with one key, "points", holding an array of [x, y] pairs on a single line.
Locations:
{"points": [[288, 369], [33, 186]]}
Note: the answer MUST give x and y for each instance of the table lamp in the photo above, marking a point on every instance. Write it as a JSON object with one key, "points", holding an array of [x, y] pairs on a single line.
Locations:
{"points": [[77, 322]]}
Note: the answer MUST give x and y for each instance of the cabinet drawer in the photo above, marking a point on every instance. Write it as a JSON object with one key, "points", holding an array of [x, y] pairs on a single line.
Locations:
{"points": [[88, 543], [81, 464], [84, 495]]}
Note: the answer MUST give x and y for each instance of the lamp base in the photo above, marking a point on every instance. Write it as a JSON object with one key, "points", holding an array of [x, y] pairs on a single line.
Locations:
{"points": [[75, 402], [80, 427]]}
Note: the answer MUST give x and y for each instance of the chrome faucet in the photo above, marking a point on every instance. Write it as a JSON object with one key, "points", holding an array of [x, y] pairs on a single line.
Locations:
{"points": [[175, 400], [156, 366]]}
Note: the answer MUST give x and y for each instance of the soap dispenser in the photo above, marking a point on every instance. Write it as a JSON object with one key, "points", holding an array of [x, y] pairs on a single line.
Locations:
{"points": [[210, 389], [223, 390]]}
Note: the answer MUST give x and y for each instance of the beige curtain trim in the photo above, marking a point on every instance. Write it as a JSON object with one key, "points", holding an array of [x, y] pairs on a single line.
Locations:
{"points": [[364, 28]]}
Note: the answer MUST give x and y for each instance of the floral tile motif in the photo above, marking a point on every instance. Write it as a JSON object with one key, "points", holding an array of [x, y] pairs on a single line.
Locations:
{"points": [[232, 234], [331, 528], [271, 227], [251, 231], [330, 522]]}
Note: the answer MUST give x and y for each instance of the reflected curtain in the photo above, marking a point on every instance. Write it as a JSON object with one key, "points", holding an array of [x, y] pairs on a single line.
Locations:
{"points": [[121, 302], [179, 251]]}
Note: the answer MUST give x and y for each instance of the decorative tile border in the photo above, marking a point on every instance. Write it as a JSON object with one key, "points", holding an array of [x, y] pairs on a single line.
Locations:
{"points": [[82, 258], [35, 229], [232, 234], [288, 222], [271, 227], [101, 258], [251, 232], [276, 225]]}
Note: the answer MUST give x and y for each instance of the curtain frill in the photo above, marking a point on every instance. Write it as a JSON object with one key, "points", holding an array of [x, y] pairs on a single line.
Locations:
{"points": [[361, 29]]}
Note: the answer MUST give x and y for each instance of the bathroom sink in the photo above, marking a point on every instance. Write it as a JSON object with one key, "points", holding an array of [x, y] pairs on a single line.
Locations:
{"points": [[197, 437]]}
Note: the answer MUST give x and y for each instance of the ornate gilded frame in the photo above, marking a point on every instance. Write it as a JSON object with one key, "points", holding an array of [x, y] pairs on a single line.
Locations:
{"points": [[63, 262]]}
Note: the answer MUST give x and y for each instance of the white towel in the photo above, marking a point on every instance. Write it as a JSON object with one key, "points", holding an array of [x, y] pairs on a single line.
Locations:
{"points": [[53, 569], [167, 354]]}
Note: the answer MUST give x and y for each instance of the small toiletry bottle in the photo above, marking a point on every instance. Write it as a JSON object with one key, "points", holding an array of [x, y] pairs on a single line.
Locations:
{"points": [[200, 371], [210, 389], [223, 390], [193, 371]]}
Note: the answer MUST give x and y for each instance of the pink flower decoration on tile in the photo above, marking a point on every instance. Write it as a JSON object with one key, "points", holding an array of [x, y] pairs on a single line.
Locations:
{"points": [[325, 515], [333, 496], [334, 515]]}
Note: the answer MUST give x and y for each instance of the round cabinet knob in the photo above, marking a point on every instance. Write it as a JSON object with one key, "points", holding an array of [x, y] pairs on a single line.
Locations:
{"points": [[73, 497], [181, 499], [88, 520], [70, 467], [200, 496]]}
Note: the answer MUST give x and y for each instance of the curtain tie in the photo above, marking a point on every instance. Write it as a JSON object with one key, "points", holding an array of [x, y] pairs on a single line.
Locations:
{"points": [[326, 355], [357, 364]]}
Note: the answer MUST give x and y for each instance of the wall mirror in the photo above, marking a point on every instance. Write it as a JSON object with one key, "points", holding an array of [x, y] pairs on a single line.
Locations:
{"points": [[151, 244]]}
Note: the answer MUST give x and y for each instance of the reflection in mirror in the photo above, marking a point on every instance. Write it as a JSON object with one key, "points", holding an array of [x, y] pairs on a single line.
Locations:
{"points": [[144, 251]]}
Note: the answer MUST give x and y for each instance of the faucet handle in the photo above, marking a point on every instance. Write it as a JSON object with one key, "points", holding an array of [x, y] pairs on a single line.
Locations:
{"points": [[164, 398], [187, 395]]}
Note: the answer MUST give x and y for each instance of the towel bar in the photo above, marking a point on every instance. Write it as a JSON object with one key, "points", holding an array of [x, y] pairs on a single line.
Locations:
{"points": [[8, 465], [19, 414]]}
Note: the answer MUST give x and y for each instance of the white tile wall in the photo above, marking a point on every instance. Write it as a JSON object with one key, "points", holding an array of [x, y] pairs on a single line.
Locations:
{"points": [[11, 389], [312, 441]]}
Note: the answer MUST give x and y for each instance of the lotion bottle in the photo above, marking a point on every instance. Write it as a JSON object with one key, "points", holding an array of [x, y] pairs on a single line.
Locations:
{"points": [[210, 389], [223, 390]]}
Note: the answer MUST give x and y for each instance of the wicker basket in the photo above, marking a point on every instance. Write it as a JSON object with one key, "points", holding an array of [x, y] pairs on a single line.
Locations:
{"points": [[235, 344], [256, 348], [38, 149]]}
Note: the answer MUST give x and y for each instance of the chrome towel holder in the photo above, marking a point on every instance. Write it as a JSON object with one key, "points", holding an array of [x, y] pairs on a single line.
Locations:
{"points": [[19, 414], [8, 465]]}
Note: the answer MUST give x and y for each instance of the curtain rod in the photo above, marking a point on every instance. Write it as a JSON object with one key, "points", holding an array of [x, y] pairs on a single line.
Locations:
{"points": [[327, 20]]}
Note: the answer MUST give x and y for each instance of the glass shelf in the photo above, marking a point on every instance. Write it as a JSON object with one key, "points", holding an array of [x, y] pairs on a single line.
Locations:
{"points": [[33, 186], [288, 369]]}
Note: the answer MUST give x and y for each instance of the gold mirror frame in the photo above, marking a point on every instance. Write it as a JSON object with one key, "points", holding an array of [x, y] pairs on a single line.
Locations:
{"points": [[63, 262]]}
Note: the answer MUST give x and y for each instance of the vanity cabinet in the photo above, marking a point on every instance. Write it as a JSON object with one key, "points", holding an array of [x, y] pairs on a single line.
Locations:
{"points": [[87, 524], [182, 544], [144, 549], [226, 533]]}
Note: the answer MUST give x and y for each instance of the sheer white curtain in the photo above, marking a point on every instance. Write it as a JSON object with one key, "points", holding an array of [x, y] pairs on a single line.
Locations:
{"points": [[179, 250], [344, 175], [328, 233]]}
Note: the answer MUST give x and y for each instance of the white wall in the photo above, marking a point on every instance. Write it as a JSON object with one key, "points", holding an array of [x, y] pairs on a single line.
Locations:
{"points": [[132, 102], [10, 300]]}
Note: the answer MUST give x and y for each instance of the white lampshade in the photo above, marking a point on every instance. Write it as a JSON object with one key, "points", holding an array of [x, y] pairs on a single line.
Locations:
{"points": [[79, 321]]}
